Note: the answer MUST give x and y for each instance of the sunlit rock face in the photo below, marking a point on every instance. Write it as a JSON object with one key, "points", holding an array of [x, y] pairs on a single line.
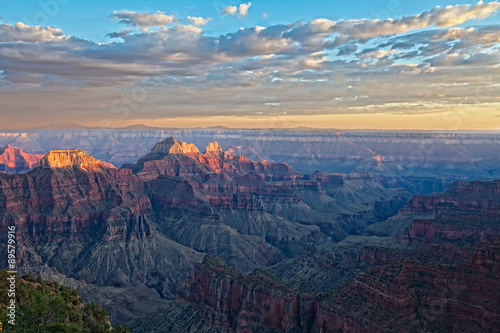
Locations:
{"points": [[213, 147], [72, 158], [172, 146], [14, 160]]}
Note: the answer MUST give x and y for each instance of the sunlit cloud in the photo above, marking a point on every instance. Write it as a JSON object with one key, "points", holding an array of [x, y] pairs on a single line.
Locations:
{"points": [[144, 21], [230, 10], [199, 20], [241, 10], [320, 67]]}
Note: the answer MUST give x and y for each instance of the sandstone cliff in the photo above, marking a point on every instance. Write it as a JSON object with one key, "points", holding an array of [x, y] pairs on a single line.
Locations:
{"points": [[90, 221], [14, 160]]}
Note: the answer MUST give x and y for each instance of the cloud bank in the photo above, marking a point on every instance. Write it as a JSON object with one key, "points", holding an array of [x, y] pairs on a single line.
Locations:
{"points": [[418, 64]]}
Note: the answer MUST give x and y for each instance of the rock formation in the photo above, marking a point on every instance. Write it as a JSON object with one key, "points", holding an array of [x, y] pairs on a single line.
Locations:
{"points": [[394, 297], [14, 160], [91, 222], [172, 146], [466, 213], [258, 209], [72, 158]]}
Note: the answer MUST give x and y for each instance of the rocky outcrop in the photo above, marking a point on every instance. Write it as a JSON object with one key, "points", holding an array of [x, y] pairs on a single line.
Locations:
{"points": [[172, 146], [243, 303], [14, 160], [174, 317], [72, 158], [462, 196], [213, 147], [407, 294], [464, 214]]}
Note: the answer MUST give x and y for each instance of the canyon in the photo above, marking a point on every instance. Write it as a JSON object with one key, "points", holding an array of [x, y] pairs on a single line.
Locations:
{"points": [[86, 223], [408, 282], [393, 297], [213, 241]]}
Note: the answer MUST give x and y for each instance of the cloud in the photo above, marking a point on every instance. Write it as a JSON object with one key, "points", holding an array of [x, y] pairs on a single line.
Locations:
{"points": [[347, 49], [119, 34], [314, 60], [322, 66], [199, 20], [188, 29], [441, 17], [470, 37], [230, 10], [378, 53], [25, 33], [144, 21], [455, 15], [242, 9]]}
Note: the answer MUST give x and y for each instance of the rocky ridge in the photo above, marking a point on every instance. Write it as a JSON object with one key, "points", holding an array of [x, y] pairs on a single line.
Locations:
{"points": [[90, 222]]}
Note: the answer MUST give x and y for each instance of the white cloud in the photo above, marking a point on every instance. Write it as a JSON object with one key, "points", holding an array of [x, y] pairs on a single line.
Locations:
{"points": [[188, 29], [244, 8], [379, 54], [144, 21], [441, 17], [455, 15], [230, 10], [27, 33], [315, 60], [199, 20]]}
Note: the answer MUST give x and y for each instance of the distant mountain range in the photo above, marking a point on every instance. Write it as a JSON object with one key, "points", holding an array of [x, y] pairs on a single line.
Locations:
{"points": [[76, 126], [422, 163]]}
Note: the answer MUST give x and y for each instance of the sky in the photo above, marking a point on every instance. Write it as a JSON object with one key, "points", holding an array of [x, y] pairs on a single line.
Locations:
{"points": [[359, 64]]}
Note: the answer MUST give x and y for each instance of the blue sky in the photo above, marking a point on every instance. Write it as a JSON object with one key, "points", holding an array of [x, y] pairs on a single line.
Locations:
{"points": [[93, 19], [402, 64]]}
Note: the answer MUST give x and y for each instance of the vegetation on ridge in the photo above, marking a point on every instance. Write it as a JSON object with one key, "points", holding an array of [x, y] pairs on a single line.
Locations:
{"points": [[46, 307]]}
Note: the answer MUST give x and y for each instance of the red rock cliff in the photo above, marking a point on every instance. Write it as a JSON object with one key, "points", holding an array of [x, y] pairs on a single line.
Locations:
{"points": [[14, 160], [398, 296]]}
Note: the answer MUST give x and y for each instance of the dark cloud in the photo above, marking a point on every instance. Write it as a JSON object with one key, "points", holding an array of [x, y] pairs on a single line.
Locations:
{"points": [[118, 34]]}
